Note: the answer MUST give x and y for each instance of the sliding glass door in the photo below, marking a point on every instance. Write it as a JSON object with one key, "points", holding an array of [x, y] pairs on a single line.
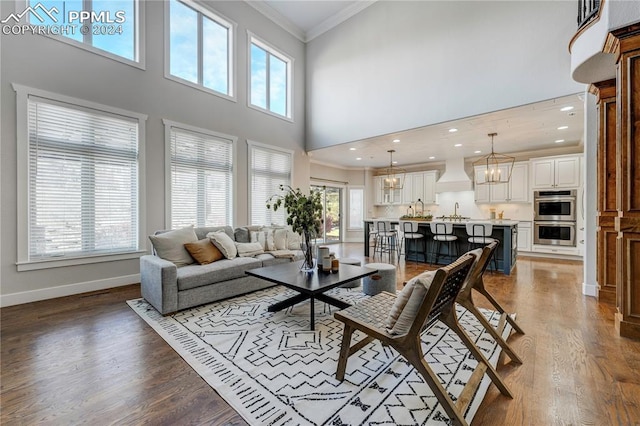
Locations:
{"points": [[331, 214]]}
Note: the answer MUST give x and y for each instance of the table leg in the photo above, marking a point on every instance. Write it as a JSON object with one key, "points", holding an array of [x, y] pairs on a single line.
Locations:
{"points": [[287, 302], [333, 301]]}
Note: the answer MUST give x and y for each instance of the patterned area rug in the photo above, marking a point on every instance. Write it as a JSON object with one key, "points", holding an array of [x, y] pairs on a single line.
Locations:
{"points": [[273, 371]]}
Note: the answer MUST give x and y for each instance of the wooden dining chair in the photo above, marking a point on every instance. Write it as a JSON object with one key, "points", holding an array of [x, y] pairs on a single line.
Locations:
{"points": [[398, 321]]}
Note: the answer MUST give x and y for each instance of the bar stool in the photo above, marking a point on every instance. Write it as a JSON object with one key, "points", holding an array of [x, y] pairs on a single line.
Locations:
{"points": [[410, 232], [373, 236], [480, 235], [387, 238], [443, 233]]}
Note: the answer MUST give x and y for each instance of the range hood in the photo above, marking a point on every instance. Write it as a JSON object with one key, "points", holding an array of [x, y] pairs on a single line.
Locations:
{"points": [[454, 178]]}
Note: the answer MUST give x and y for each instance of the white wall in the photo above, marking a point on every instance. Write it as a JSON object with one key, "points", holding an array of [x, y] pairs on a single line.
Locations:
{"points": [[400, 65], [47, 64]]}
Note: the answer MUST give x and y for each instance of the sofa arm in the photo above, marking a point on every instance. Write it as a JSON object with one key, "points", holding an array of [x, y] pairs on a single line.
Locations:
{"points": [[159, 283]]}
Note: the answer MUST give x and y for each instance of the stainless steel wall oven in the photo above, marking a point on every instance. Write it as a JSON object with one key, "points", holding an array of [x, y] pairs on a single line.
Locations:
{"points": [[555, 217]]}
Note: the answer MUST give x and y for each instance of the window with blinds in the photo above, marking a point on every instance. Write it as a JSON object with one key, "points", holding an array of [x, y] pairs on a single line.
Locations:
{"points": [[269, 168], [82, 181], [201, 178]]}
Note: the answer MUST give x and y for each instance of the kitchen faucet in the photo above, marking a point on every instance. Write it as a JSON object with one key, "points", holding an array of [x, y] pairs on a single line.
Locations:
{"points": [[456, 206]]}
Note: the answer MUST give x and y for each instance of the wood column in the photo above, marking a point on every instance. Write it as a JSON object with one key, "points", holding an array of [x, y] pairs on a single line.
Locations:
{"points": [[606, 250], [625, 43]]}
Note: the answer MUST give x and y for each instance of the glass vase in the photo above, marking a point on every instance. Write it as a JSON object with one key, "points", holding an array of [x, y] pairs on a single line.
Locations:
{"points": [[308, 262]]}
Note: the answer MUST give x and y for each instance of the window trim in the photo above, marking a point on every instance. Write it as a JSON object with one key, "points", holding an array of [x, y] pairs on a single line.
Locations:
{"points": [[270, 49], [168, 125], [139, 38], [22, 137], [251, 145], [231, 65]]}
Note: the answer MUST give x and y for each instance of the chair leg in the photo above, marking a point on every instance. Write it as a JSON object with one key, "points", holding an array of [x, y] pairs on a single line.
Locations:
{"points": [[344, 352], [416, 359], [500, 309], [451, 321], [468, 305]]}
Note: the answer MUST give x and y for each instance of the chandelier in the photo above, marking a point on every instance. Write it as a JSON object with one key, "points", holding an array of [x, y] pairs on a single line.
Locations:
{"points": [[497, 167], [395, 176]]}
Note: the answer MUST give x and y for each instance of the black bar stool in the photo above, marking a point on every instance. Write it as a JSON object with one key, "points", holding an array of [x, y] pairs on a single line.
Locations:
{"points": [[443, 233]]}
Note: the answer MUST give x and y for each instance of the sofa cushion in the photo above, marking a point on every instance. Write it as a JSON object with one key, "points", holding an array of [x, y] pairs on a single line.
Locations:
{"points": [[170, 245], [203, 251], [280, 238], [193, 276], [293, 240], [224, 243], [249, 249]]}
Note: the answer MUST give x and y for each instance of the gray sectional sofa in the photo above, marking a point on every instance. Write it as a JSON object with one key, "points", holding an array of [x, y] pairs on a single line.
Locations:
{"points": [[169, 288]]}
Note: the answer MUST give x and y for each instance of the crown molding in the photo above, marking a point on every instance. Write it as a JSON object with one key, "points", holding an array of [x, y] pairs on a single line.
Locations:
{"points": [[329, 23], [338, 18], [277, 18], [336, 166]]}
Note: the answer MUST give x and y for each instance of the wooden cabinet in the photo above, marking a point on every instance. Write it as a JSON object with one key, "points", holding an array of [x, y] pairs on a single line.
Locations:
{"points": [[555, 172], [515, 191]]}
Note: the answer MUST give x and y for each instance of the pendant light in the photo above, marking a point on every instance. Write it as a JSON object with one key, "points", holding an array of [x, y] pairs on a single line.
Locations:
{"points": [[497, 167], [395, 176]]}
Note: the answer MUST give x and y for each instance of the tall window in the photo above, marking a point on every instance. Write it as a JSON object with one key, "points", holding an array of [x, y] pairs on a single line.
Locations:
{"points": [[109, 27], [270, 72], [83, 180], [201, 176], [356, 209], [269, 167], [200, 47]]}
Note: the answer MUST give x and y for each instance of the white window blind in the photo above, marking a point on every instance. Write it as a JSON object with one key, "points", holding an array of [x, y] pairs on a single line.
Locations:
{"points": [[269, 169], [356, 209], [83, 181], [201, 179]]}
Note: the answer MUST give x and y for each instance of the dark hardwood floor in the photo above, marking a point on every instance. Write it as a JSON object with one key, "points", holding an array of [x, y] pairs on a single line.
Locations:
{"points": [[90, 359]]}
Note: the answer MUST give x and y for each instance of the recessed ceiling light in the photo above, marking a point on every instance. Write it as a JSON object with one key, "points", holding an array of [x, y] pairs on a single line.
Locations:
{"points": [[394, 162], [358, 158], [458, 145], [477, 152], [352, 149], [396, 140], [432, 157], [453, 130], [563, 127], [559, 140], [567, 108]]}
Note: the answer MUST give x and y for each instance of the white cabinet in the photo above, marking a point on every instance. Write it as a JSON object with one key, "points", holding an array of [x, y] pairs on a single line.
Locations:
{"points": [[377, 189], [555, 172], [417, 186], [515, 191], [423, 186], [407, 190], [524, 236]]}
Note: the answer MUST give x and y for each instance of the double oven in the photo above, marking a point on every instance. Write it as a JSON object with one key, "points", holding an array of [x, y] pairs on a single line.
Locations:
{"points": [[554, 221]]}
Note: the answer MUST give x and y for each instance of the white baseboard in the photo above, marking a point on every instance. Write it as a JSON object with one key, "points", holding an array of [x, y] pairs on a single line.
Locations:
{"points": [[66, 290], [590, 289]]}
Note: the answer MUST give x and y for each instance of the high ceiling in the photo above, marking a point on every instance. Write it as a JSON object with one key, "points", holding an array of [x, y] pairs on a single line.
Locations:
{"points": [[522, 129]]}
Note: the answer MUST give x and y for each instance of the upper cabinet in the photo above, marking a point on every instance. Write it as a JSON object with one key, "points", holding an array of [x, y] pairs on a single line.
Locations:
{"points": [[515, 191], [417, 186], [555, 172]]}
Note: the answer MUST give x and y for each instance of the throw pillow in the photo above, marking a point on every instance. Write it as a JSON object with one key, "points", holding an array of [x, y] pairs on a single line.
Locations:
{"points": [[280, 238], [170, 245], [407, 305], [241, 235], [265, 238], [224, 243], [249, 249], [203, 251], [293, 240]]}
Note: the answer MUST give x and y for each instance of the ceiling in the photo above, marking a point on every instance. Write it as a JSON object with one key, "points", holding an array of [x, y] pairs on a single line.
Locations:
{"points": [[525, 128]]}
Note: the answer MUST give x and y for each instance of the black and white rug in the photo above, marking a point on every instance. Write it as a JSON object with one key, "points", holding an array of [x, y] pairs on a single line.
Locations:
{"points": [[273, 371]]}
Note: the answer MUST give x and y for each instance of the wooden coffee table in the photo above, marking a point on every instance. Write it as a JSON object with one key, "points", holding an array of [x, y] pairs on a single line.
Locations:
{"points": [[311, 285]]}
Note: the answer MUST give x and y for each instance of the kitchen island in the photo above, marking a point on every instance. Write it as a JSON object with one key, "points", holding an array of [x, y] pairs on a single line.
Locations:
{"points": [[505, 231]]}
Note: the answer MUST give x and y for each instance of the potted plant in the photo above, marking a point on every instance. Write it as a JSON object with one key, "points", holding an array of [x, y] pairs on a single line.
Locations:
{"points": [[304, 214]]}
